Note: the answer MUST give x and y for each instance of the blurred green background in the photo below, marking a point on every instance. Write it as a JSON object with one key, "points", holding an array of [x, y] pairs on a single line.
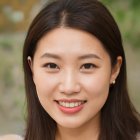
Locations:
{"points": [[15, 17]]}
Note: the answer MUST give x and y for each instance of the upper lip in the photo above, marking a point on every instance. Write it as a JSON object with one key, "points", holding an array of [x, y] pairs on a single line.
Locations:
{"points": [[70, 100]]}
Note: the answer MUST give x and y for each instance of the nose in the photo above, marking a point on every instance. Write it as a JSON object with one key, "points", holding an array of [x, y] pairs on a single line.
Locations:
{"points": [[69, 83]]}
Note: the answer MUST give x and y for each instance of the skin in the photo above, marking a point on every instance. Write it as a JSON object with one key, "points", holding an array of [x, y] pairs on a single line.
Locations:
{"points": [[10, 137], [82, 70]]}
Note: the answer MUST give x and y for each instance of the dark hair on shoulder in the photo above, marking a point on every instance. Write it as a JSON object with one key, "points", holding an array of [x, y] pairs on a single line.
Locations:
{"points": [[119, 119]]}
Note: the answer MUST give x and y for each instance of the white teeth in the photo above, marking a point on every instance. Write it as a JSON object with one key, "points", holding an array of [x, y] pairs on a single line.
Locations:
{"points": [[67, 104], [76, 104], [70, 104]]}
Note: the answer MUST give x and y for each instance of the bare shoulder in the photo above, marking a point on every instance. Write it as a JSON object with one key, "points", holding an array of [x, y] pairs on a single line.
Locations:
{"points": [[11, 137]]}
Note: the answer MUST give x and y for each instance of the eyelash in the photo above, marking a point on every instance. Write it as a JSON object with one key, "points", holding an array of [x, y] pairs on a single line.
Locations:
{"points": [[50, 65], [90, 66], [86, 66]]}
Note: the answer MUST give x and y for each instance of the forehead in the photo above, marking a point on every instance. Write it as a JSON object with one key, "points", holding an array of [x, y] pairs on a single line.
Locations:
{"points": [[70, 41]]}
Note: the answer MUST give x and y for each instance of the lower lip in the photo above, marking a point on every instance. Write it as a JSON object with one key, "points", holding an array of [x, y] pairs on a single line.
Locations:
{"points": [[70, 110]]}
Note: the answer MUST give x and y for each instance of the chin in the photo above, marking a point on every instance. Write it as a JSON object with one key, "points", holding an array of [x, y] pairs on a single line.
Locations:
{"points": [[70, 124]]}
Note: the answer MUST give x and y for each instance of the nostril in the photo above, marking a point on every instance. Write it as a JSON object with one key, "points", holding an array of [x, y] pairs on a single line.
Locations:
{"points": [[69, 88]]}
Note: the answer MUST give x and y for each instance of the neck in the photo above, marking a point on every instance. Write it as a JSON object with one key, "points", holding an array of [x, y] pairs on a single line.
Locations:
{"points": [[89, 131]]}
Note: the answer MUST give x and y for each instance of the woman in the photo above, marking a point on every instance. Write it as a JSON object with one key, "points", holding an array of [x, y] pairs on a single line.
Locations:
{"points": [[75, 75]]}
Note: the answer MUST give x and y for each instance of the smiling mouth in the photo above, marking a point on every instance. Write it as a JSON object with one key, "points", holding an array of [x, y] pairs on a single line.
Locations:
{"points": [[70, 104]]}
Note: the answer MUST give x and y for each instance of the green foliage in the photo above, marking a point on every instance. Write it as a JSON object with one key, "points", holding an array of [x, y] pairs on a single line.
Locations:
{"points": [[6, 45], [135, 3], [6, 65], [126, 13], [11, 82]]}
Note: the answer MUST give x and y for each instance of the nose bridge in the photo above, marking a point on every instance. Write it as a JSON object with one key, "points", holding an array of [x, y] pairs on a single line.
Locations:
{"points": [[70, 83]]}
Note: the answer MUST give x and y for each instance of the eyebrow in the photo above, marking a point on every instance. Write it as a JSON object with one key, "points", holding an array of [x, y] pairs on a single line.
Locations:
{"points": [[50, 55], [86, 56]]}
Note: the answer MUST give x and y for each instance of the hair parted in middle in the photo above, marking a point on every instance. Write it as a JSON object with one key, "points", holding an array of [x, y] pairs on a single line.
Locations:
{"points": [[118, 116]]}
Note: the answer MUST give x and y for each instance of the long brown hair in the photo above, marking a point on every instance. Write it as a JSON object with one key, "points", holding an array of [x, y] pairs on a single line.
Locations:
{"points": [[119, 119]]}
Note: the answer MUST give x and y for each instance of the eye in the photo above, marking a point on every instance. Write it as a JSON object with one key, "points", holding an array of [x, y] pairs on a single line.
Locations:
{"points": [[88, 67], [51, 66]]}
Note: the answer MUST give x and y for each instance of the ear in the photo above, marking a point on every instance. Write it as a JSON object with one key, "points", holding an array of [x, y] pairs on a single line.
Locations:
{"points": [[29, 59], [116, 70], [30, 63]]}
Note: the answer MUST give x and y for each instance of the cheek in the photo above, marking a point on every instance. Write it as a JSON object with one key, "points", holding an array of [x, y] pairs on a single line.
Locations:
{"points": [[45, 84], [97, 90], [97, 85], [46, 88]]}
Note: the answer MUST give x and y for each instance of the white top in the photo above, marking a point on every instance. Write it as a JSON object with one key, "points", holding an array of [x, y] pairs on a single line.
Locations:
{"points": [[11, 137]]}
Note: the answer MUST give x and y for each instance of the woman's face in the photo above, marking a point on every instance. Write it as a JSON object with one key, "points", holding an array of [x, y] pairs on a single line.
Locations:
{"points": [[72, 73]]}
